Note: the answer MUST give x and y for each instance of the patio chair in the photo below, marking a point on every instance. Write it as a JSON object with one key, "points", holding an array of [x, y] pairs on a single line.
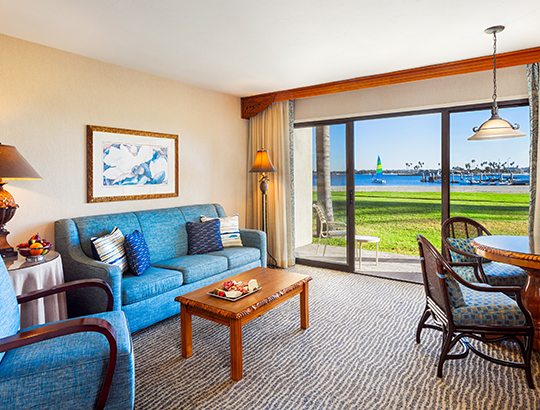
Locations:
{"points": [[457, 233], [478, 311], [328, 229], [82, 363]]}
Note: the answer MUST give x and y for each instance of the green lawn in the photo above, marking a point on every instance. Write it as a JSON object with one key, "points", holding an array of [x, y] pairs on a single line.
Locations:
{"points": [[397, 217]]}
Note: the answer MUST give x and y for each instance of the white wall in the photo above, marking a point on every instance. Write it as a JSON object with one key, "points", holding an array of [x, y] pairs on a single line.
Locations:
{"points": [[303, 185], [440, 92], [48, 97]]}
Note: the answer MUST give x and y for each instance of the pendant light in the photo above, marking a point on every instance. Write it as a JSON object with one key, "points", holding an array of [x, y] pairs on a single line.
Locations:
{"points": [[496, 127]]}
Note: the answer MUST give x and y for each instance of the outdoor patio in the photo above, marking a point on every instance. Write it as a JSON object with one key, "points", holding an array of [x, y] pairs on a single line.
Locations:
{"points": [[391, 265]]}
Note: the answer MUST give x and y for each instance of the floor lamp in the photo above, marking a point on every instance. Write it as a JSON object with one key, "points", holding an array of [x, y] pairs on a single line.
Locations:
{"points": [[263, 165], [12, 166]]}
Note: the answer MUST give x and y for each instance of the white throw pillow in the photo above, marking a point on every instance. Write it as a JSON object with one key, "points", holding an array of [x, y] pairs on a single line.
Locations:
{"points": [[229, 230], [110, 249]]}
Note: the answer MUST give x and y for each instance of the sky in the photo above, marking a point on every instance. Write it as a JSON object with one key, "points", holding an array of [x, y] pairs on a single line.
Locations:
{"points": [[401, 140]]}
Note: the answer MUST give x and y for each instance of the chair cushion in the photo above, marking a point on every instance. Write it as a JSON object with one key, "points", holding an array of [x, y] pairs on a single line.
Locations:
{"points": [[203, 237], [154, 282], [239, 256], [454, 290], [9, 307], [464, 245], [68, 371], [229, 230], [110, 249], [497, 274], [195, 267], [486, 308], [137, 253]]}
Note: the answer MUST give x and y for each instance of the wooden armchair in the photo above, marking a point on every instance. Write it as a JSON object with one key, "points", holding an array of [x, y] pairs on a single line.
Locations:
{"points": [[72, 362], [482, 312]]}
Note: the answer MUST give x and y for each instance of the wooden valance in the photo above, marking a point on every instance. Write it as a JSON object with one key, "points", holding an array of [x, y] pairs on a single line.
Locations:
{"points": [[255, 104]]}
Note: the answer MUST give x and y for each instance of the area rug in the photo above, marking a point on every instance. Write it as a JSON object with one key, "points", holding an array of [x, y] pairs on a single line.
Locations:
{"points": [[358, 353]]}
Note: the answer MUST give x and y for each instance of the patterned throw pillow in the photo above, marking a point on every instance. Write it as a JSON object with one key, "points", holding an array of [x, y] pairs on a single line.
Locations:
{"points": [[454, 290], [137, 253], [110, 249], [229, 229], [203, 237], [464, 245]]}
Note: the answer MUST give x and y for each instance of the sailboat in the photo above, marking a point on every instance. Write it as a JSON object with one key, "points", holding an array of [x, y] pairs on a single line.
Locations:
{"points": [[378, 178]]}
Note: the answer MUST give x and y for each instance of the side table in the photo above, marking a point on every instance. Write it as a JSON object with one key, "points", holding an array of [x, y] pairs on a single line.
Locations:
{"points": [[29, 276], [360, 239]]}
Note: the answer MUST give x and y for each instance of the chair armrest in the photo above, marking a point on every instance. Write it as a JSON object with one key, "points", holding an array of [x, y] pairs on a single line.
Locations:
{"points": [[54, 330], [483, 287], [337, 223], [65, 287], [477, 269]]}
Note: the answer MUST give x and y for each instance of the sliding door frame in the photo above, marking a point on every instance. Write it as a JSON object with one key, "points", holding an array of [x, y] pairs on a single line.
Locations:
{"points": [[445, 164]]}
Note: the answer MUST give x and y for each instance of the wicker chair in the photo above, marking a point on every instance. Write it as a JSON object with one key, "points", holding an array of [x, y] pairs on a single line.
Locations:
{"points": [[328, 229], [457, 233], [478, 311]]}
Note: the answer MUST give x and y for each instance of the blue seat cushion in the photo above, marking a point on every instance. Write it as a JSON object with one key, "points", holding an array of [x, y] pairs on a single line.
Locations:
{"points": [[239, 256], [195, 267], [489, 309], [68, 371], [497, 274], [155, 281]]}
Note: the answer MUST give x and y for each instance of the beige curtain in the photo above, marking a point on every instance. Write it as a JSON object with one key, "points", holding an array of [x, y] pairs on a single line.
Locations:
{"points": [[270, 130]]}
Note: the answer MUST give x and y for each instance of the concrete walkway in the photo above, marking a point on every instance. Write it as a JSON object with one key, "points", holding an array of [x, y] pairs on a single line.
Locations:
{"points": [[391, 265]]}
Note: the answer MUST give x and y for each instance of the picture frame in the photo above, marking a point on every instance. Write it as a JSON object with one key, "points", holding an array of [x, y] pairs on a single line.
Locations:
{"points": [[126, 165]]}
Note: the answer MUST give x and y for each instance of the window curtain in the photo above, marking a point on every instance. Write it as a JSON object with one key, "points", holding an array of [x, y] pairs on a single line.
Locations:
{"points": [[534, 210], [271, 130]]}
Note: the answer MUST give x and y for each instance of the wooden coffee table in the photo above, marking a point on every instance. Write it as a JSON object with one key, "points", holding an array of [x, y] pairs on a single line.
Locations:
{"points": [[276, 287]]}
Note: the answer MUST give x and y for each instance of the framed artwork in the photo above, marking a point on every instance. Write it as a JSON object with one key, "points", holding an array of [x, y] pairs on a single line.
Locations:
{"points": [[124, 165]]}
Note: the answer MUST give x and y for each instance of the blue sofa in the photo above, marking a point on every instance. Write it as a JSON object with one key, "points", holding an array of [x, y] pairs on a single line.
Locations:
{"points": [[149, 298]]}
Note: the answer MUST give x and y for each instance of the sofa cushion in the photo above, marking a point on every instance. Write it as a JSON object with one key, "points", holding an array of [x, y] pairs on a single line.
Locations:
{"points": [[239, 256], [99, 225], [192, 213], [203, 237], [165, 233], [229, 230], [195, 267], [137, 253], [155, 281], [110, 249]]}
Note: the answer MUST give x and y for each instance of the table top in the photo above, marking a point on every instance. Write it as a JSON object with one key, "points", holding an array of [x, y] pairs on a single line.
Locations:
{"points": [[21, 263], [274, 284], [515, 250]]}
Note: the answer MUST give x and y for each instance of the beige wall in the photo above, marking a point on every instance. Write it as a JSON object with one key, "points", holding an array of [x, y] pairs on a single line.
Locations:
{"points": [[303, 185], [440, 92], [48, 97]]}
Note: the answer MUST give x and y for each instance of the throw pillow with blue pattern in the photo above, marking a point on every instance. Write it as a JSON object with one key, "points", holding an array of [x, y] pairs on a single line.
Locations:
{"points": [[229, 229], [110, 249], [454, 290], [137, 253], [464, 245], [203, 237]]}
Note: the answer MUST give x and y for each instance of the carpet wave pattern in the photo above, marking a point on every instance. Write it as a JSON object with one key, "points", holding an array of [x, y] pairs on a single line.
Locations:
{"points": [[358, 353]]}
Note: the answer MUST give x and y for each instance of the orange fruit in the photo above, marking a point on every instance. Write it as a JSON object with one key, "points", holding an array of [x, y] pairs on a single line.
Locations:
{"points": [[36, 245]]}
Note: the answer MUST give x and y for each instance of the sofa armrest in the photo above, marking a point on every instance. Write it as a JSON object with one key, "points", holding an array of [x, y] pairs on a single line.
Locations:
{"points": [[255, 239], [78, 266]]}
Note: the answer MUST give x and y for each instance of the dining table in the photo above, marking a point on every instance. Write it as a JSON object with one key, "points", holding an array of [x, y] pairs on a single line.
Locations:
{"points": [[522, 251]]}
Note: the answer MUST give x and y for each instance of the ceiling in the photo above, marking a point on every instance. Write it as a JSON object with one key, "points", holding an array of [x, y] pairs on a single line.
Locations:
{"points": [[247, 47]]}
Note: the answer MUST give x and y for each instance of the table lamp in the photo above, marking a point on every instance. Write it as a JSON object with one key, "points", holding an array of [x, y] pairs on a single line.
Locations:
{"points": [[12, 166], [262, 165]]}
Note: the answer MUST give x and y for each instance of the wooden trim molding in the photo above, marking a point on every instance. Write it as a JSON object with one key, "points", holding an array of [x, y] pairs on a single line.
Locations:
{"points": [[255, 104]]}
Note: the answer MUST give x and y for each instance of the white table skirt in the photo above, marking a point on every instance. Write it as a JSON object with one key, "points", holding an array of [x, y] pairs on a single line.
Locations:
{"points": [[44, 275]]}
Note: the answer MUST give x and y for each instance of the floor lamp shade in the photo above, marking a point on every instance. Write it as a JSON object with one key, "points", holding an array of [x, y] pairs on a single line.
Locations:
{"points": [[262, 162], [13, 166]]}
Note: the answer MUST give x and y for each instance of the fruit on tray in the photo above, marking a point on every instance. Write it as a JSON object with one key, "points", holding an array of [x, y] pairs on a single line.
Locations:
{"points": [[234, 289], [34, 247]]}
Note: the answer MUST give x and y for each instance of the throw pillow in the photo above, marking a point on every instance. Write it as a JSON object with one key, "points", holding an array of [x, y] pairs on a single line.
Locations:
{"points": [[464, 245], [137, 253], [229, 230], [203, 237], [454, 290], [110, 249]]}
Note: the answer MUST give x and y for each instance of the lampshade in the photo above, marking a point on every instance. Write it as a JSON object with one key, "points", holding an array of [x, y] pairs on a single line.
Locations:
{"points": [[14, 166], [262, 162], [496, 128]]}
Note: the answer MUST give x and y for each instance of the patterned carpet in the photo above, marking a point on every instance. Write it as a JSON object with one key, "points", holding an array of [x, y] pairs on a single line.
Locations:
{"points": [[358, 353]]}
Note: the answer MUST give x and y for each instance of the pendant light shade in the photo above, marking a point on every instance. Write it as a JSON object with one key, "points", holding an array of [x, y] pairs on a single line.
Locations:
{"points": [[495, 128]]}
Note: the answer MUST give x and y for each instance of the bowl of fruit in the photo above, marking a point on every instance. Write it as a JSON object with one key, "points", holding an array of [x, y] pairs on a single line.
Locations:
{"points": [[34, 249]]}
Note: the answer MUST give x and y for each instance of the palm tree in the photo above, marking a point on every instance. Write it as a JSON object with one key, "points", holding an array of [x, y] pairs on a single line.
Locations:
{"points": [[324, 189]]}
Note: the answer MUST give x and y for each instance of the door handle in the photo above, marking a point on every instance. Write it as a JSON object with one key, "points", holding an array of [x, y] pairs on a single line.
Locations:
{"points": [[351, 197]]}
